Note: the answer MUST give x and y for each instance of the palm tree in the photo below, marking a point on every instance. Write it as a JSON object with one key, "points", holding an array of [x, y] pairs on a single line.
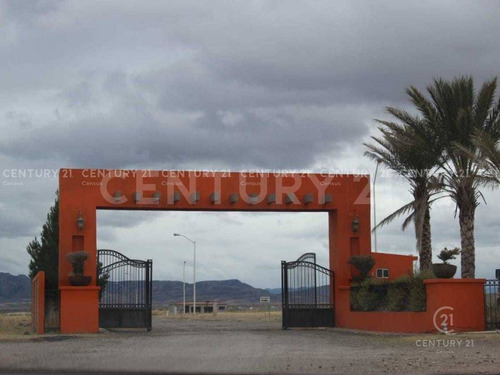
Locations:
{"points": [[457, 116], [407, 148], [489, 154]]}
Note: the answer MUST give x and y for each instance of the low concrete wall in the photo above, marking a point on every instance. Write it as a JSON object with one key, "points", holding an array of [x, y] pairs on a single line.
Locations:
{"points": [[457, 302], [38, 303]]}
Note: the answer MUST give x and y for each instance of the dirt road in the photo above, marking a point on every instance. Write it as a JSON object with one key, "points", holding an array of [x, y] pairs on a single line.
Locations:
{"points": [[201, 346]]}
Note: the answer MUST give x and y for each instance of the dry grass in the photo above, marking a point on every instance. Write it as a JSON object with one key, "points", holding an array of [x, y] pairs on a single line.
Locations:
{"points": [[247, 316], [15, 324]]}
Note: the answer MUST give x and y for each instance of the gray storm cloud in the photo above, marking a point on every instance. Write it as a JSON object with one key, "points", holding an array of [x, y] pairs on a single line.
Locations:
{"points": [[218, 84]]}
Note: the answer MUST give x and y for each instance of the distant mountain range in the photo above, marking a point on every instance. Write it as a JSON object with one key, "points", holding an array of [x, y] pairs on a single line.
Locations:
{"points": [[14, 288], [18, 289], [228, 291], [274, 290]]}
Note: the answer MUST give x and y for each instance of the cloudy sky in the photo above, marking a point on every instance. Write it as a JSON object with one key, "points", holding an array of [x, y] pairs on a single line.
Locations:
{"points": [[226, 85]]}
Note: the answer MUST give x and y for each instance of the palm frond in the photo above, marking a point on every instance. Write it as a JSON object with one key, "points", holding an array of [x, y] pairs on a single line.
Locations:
{"points": [[406, 209]]}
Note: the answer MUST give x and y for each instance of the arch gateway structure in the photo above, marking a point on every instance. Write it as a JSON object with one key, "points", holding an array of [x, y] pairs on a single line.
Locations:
{"points": [[346, 199]]}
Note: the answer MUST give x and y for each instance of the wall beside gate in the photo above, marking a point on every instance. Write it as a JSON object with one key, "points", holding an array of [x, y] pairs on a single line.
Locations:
{"points": [[38, 303], [458, 301]]}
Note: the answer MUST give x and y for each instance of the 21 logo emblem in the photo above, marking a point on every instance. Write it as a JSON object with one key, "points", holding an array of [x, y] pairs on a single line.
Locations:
{"points": [[443, 319]]}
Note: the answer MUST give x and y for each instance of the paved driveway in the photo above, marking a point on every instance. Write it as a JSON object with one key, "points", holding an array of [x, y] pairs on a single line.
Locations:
{"points": [[200, 346]]}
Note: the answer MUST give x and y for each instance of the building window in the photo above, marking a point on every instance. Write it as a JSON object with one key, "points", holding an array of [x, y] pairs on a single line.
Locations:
{"points": [[383, 273]]}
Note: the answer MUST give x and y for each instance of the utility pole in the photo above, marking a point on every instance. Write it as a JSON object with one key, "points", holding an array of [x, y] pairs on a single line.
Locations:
{"points": [[194, 269], [184, 288]]}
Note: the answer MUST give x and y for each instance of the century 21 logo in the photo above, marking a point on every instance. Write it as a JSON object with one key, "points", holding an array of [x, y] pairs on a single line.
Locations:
{"points": [[443, 319]]}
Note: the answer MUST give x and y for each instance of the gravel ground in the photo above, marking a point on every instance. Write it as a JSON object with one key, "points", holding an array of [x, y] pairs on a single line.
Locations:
{"points": [[201, 346]]}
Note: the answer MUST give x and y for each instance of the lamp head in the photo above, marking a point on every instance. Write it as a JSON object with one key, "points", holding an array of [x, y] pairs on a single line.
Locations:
{"points": [[80, 221], [355, 224], [176, 234]]}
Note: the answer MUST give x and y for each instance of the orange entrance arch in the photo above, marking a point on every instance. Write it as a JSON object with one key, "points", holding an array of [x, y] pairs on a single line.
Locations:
{"points": [[82, 192]]}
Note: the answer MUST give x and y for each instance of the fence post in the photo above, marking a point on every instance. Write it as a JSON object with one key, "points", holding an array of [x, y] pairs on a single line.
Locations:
{"points": [[150, 293], [284, 297], [492, 304]]}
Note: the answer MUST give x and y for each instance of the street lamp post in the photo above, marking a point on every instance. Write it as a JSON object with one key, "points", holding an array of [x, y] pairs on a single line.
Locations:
{"points": [[184, 288], [194, 269], [375, 207]]}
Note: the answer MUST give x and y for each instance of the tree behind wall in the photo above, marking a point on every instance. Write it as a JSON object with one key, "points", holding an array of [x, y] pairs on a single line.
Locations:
{"points": [[408, 148], [457, 113], [45, 252]]}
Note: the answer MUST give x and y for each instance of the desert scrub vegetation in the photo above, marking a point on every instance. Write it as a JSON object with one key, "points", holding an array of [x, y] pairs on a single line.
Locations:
{"points": [[244, 316], [15, 324], [406, 293]]}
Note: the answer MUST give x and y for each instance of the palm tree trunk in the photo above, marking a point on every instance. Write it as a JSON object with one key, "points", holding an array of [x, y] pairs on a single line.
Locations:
{"points": [[468, 260], [426, 243]]}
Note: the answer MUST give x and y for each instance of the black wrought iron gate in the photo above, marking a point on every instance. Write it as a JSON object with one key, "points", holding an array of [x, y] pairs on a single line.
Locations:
{"points": [[307, 293], [492, 304], [125, 300]]}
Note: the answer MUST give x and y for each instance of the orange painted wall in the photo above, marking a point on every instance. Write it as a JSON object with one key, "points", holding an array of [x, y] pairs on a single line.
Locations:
{"points": [[465, 297], [80, 313], [38, 303], [83, 191], [398, 265]]}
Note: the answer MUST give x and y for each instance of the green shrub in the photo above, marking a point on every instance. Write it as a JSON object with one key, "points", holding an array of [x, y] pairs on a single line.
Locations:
{"points": [[448, 254], [363, 264], [102, 279], [424, 275], [418, 296], [406, 293], [364, 298], [397, 296], [77, 260], [355, 305]]}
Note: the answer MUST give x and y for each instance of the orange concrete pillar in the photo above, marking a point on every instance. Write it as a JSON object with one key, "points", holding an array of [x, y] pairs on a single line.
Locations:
{"points": [[78, 305], [458, 302], [355, 203], [79, 309]]}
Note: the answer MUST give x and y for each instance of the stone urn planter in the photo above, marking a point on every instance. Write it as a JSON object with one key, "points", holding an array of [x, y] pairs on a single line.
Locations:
{"points": [[443, 270], [80, 280], [77, 260]]}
